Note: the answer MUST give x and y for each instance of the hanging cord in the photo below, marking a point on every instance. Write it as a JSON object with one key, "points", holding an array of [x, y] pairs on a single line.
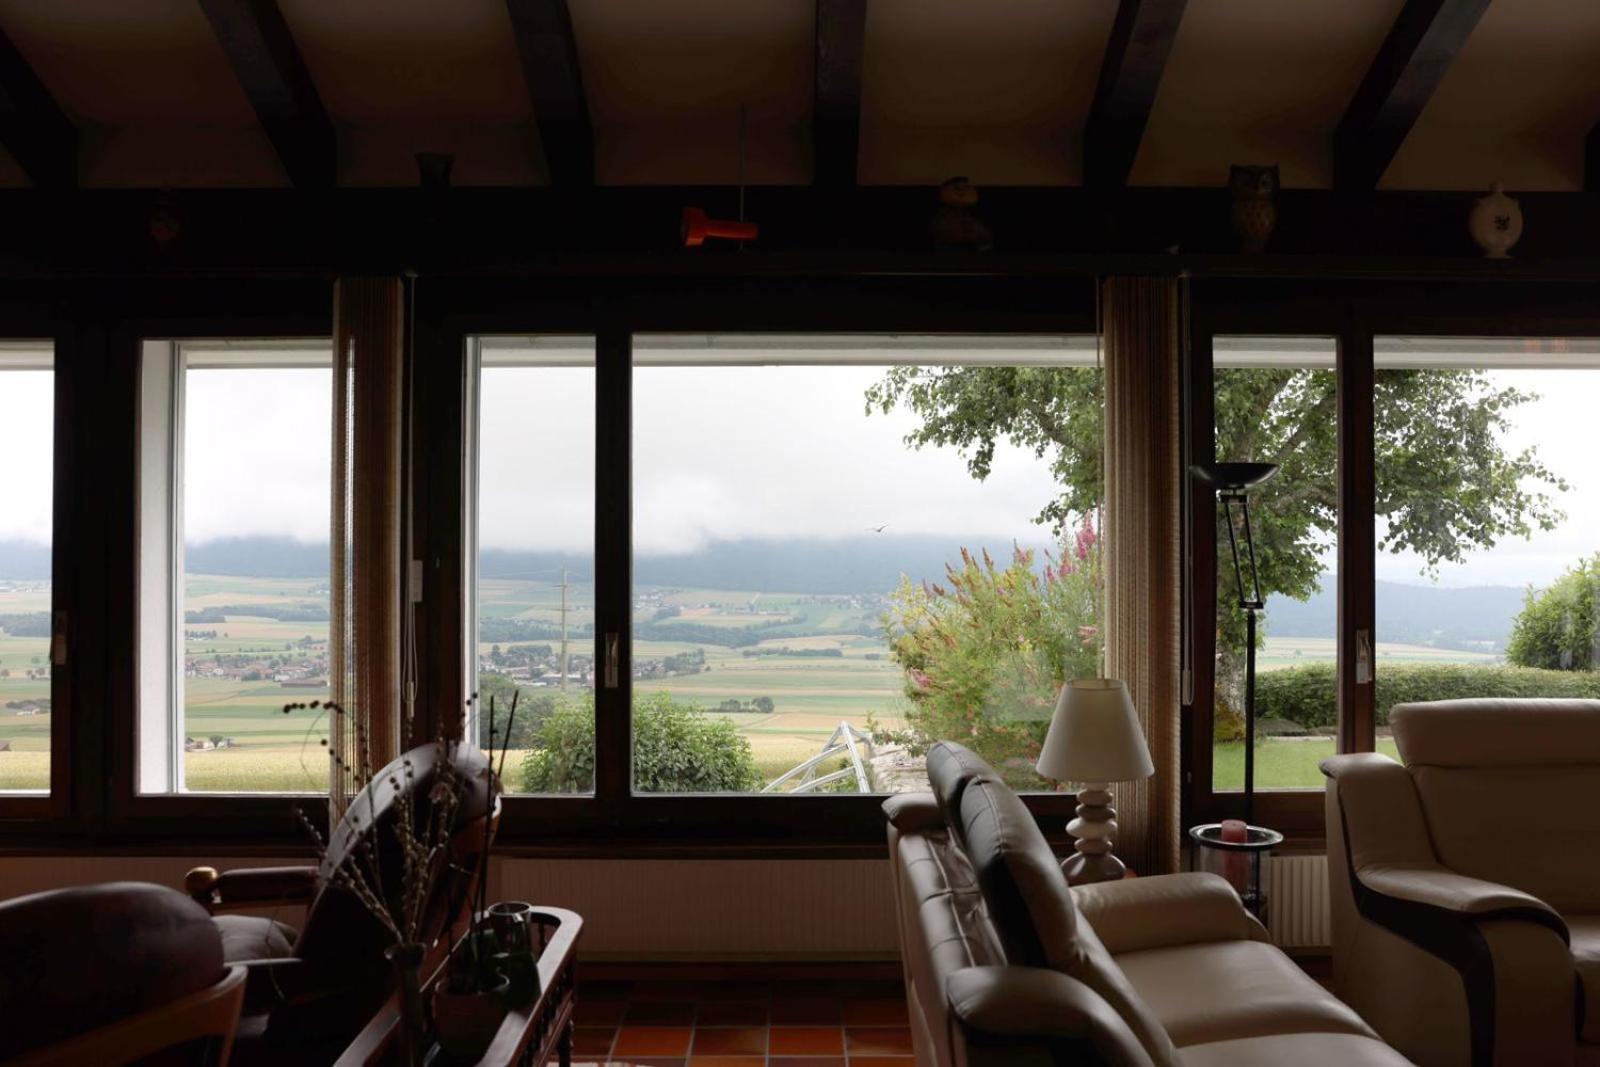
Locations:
{"points": [[1099, 511], [408, 630]]}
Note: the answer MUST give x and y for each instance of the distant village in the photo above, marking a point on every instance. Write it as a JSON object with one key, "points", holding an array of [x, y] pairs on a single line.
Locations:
{"points": [[301, 664]]}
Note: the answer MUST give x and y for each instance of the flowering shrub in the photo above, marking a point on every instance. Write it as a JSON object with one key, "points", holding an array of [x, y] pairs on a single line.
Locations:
{"points": [[986, 652]]}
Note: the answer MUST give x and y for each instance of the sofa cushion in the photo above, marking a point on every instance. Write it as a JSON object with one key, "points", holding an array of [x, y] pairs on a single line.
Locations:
{"points": [[1233, 989], [1585, 931], [250, 937], [1346, 1050], [1473, 812], [1031, 909], [951, 767]]}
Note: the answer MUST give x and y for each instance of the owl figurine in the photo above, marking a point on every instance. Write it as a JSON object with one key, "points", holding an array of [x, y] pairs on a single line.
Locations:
{"points": [[1255, 208], [956, 223]]}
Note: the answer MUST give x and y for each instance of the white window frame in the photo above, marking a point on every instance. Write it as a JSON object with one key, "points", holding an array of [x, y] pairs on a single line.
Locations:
{"points": [[39, 355], [163, 368]]}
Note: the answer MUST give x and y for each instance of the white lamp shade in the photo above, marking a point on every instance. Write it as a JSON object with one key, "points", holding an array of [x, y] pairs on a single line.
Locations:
{"points": [[1095, 735]]}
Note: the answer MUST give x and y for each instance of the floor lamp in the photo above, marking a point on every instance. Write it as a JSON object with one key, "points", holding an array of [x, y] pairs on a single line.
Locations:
{"points": [[1239, 851]]}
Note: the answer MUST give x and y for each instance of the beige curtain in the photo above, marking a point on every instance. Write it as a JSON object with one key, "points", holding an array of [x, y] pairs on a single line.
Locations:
{"points": [[368, 336], [1143, 459]]}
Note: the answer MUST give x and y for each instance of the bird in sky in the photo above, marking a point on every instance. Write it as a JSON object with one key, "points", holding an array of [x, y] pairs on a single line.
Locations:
{"points": [[877, 529]]}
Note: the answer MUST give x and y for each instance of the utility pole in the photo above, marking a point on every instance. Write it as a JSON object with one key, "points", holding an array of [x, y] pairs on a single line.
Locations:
{"points": [[563, 628]]}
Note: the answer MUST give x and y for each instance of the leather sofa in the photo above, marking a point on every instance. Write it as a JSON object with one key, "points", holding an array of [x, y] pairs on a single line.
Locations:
{"points": [[1005, 964], [1465, 882]]}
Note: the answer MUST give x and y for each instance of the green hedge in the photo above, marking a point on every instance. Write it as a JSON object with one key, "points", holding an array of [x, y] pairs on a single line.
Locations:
{"points": [[1306, 695]]}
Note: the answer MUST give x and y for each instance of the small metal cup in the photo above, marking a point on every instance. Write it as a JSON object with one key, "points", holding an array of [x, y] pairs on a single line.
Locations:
{"points": [[512, 922]]}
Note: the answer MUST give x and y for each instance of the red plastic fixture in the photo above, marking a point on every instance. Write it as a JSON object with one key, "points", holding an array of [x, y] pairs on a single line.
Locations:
{"points": [[697, 228]]}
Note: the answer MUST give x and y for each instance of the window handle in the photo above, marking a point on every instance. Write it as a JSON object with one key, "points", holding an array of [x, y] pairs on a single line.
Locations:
{"points": [[1363, 657], [613, 646], [58, 641]]}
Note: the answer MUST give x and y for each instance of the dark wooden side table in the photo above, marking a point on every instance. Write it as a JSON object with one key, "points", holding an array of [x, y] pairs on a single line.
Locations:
{"points": [[531, 1033]]}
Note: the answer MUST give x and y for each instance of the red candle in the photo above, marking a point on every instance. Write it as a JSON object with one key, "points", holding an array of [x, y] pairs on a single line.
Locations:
{"points": [[1236, 865]]}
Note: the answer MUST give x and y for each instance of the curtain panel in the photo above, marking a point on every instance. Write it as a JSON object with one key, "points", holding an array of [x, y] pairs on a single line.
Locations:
{"points": [[365, 633], [1143, 475]]}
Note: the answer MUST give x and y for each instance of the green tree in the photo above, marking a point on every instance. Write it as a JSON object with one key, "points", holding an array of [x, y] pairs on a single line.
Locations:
{"points": [[1446, 483], [677, 748], [533, 707], [1556, 627], [986, 651]]}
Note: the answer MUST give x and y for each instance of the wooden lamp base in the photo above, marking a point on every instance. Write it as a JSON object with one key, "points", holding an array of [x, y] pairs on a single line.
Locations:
{"points": [[1095, 829]]}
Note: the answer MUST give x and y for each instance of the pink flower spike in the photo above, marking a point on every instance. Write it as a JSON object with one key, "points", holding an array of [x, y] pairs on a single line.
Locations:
{"points": [[1085, 540]]}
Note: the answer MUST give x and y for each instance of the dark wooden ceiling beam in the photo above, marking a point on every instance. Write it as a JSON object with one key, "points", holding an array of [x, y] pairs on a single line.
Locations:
{"points": [[1426, 38], [33, 128], [1141, 40], [836, 114], [550, 67], [272, 72]]}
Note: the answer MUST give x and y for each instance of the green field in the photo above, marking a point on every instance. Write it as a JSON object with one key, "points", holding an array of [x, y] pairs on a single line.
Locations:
{"points": [[271, 751]]}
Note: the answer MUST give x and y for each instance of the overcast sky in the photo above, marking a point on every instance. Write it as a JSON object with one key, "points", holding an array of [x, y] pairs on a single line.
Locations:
{"points": [[726, 452]]}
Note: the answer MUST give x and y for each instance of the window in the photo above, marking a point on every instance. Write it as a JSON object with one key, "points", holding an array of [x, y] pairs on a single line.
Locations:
{"points": [[1488, 574], [27, 436], [1274, 402], [845, 548], [534, 566], [235, 490]]}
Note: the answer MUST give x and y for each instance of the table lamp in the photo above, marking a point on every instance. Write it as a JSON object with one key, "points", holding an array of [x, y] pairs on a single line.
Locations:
{"points": [[1094, 739]]}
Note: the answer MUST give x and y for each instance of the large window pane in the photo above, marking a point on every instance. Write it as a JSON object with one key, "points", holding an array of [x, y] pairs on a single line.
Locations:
{"points": [[1488, 519], [1274, 400], [846, 548], [243, 499], [534, 588], [27, 437]]}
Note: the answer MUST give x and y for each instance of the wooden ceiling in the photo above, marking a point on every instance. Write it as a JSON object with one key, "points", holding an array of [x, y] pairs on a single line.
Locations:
{"points": [[1358, 94]]}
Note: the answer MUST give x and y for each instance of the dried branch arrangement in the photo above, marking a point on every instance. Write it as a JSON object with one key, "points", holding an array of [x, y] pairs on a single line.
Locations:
{"points": [[423, 843]]}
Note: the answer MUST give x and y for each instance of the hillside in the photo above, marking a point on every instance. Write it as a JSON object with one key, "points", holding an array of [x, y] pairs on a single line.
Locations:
{"points": [[1476, 618]]}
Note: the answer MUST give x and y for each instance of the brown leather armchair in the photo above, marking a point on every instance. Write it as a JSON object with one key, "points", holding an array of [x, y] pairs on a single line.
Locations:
{"points": [[309, 991], [1465, 883], [109, 974], [1004, 964]]}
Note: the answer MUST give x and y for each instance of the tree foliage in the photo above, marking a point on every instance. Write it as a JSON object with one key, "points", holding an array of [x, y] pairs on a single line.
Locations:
{"points": [[986, 652], [677, 748], [1446, 483], [533, 707], [1556, 627]]}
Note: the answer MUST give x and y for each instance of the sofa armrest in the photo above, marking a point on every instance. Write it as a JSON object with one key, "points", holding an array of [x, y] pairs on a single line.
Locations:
{"points": [[1459, 894], [1166, 910], [1001, 1008], [251, 886], [913, 812]]}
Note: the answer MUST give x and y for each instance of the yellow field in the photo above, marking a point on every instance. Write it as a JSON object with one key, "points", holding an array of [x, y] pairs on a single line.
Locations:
{"points": [[24, 770]]}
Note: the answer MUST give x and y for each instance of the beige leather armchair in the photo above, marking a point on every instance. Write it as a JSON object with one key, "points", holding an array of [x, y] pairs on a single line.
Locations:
{"points": [[1465, 883], [1004, 964]]}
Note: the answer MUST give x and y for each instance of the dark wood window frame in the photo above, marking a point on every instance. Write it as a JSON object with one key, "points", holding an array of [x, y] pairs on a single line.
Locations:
{"points": [[22, 322], [1355, 312], [97, 326], [614, 820]]}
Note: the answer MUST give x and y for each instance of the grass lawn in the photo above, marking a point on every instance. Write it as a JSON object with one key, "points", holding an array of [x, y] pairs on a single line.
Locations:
{"points": [[1281, 763]]}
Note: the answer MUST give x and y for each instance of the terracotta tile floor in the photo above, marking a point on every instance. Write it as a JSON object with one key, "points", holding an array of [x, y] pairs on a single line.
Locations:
{"points": [[743, 1024]]}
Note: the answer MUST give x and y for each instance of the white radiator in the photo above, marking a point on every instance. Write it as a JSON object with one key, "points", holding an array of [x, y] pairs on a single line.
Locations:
{"points": [[1297, 895]]}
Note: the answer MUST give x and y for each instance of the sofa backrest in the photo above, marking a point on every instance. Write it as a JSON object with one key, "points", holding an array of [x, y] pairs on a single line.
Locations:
{"points": [[1511, 791], [1028, 914]]}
